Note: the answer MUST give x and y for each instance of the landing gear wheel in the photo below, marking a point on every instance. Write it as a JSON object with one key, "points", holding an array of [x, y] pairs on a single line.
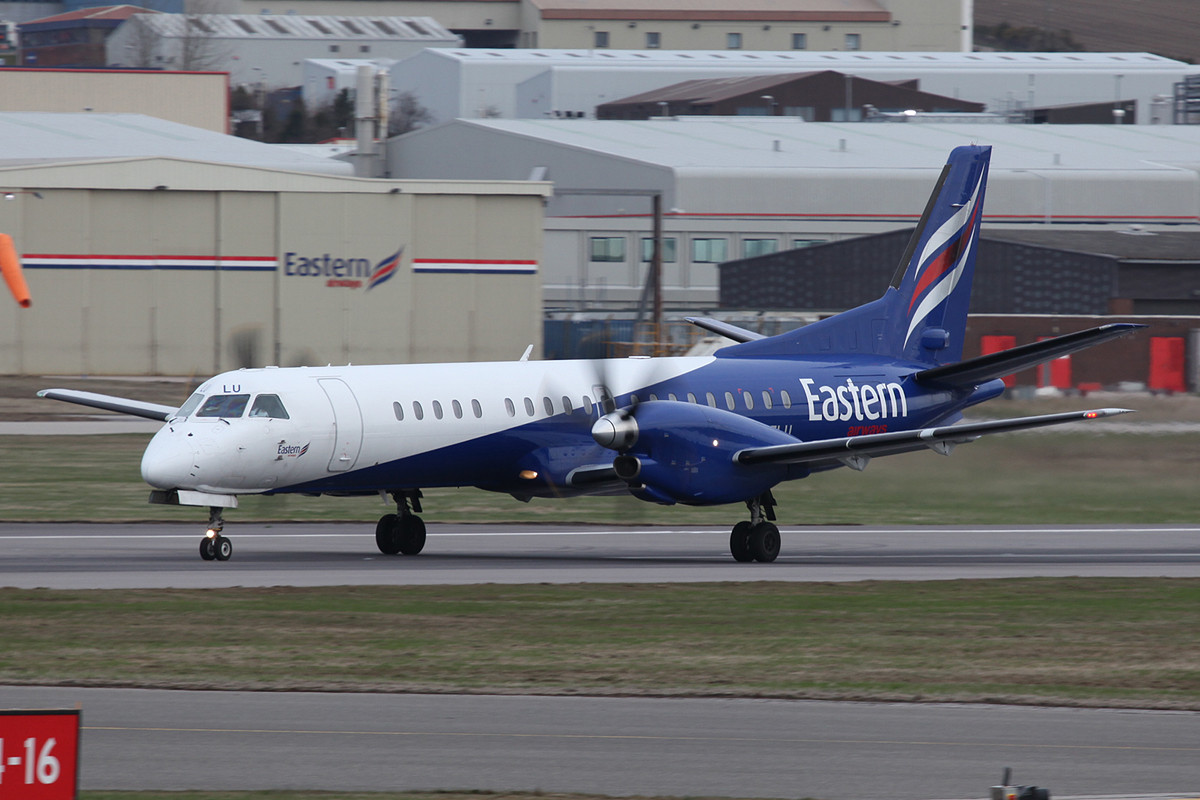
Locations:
{"points": [[739, 542], [387, 537], [411, 534], [764, 542], [222, 548], [207, 551]]}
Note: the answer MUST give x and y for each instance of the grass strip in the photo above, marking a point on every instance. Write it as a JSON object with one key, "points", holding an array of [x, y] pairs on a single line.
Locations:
{"points": [[1098, 642], [1049, 478]]}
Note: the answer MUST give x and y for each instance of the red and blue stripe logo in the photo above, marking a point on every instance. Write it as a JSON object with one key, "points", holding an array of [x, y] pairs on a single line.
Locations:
{"points": [[385, 270]]}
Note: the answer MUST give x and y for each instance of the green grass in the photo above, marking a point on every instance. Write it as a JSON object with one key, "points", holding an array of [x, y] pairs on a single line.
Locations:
{"points": [[1120, 642], [1047, 478]]}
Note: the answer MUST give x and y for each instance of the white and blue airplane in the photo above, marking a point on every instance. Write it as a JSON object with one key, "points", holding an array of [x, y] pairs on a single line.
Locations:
{"points": [[881, 379]]}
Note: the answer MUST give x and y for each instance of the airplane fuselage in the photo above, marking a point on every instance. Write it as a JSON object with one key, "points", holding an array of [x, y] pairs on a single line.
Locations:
{"points": [[517, 427]]}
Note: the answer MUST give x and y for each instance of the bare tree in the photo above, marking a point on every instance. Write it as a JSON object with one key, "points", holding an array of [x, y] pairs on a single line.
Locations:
{"points": [[407, 114]]}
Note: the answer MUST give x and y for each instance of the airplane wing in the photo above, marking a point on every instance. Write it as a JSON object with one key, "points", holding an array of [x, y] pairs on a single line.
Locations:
{"points": [[975, 371], [109, 403], [856, 451], [725, 329]]}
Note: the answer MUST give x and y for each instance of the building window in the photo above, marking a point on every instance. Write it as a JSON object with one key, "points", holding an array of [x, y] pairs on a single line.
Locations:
{"points": [[759, 247], [709, 251], [853, 41], [733, 41], [335, 48], [364, 48], [653, 40], [608, 248], [799, 41], [601, 40], [798, 243], [668, 250]]}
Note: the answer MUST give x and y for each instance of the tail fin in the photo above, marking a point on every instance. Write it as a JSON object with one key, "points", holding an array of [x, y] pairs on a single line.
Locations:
{"points": [[923, 315]]}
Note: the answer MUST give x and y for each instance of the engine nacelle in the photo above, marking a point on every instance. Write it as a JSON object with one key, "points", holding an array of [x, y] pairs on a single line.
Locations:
{"points": [[683, 452]]}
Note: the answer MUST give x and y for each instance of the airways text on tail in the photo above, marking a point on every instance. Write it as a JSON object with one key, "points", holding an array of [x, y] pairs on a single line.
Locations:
{"points": [[881, 379]]}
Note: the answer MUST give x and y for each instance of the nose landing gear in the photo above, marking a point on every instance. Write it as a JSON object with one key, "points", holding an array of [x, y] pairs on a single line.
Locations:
{"points": [[214, 546]]}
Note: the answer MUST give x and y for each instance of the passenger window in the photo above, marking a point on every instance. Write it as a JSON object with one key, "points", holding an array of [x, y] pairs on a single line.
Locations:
{"points": [[477, 409], [398, 410], [457, 406], [548, 404], [767, 401], [748, 397], [691, 397], [418, 412], [509, 407], [268, 405], [190, 406], [712, 401], [224, 405], [528, 406], [729, 401], [437, 409], [672, 397], [567, 409], [653, 396], [587, 404], [787, 398]]}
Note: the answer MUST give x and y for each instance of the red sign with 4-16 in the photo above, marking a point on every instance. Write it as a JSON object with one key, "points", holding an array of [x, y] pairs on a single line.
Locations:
{"points": [[39, 755]]}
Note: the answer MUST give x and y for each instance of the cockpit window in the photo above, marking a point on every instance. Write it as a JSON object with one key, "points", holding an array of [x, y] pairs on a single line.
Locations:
{"points": [[268, 405], [190, 406], [224, 405]]}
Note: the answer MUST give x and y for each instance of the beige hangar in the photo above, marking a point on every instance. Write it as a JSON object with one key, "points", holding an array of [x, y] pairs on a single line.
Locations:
{"points": [[162, 266]]}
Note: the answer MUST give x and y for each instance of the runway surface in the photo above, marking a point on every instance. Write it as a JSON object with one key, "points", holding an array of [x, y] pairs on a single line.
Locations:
{"points": [[81, 556], [615, 746], [618, 746]]}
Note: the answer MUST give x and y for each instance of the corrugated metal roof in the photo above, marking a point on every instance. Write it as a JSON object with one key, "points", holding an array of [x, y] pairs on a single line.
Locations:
{"points": [[748, 143], [756, 10], [120, 12], [44, 137], [300, 26], [815, 60]]}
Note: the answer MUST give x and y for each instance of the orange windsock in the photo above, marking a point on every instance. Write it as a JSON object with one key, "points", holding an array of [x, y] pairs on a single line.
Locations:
{"points": [[10, 265]]}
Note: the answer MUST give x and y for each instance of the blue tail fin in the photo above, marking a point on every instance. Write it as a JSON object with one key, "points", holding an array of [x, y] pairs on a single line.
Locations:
{"points": [[923, 315]]}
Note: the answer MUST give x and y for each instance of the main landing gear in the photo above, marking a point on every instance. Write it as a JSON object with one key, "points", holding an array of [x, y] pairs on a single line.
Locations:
{"points": [[214, 546], [758, 539], [402, 532]]}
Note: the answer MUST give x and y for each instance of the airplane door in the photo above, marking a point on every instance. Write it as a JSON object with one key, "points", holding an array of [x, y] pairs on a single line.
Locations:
{"points": [[347, 424]]}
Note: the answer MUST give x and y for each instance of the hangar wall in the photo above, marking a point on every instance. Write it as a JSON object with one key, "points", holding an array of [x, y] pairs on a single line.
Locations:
{"points": [[193, 280]]}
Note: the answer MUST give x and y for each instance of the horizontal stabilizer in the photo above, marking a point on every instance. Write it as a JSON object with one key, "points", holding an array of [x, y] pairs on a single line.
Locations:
{"points": [[981, 369], [109, 403], [725, 329], [853, 449]]}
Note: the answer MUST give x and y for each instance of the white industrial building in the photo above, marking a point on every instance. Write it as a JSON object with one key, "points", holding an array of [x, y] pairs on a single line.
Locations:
{"points": [[266, 50], [324, 78], [144, 260], [530, 84], [743, 186]]}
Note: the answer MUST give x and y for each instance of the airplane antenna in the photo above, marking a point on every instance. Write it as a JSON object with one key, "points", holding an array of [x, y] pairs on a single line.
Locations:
{"points": [[525, 355]]}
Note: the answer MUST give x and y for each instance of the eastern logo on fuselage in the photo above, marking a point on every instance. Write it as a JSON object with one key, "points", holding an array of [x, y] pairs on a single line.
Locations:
{"points": [[286, 450], [342, 272], [852, 401]]}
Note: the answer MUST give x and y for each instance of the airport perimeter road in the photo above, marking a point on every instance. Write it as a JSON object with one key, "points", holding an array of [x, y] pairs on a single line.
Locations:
{"points": [[87, 556], [138, 739]]}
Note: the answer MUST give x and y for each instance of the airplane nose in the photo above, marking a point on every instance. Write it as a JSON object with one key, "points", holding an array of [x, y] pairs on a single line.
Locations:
{"points": [[168, 460]]}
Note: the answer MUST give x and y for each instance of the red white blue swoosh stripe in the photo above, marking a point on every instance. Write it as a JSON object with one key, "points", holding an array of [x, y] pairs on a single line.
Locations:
{"points": [[475, 266], [385, 270], [945, 255]]}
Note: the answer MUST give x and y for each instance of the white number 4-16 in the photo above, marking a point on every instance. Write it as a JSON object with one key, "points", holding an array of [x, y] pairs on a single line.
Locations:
{"points": [[41, 766]]}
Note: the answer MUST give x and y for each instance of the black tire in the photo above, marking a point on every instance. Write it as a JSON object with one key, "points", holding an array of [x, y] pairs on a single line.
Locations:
{"points": [[207, 549], [387, 537], [739, 542], [412, 535], [764, 542], [222, 548]]}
